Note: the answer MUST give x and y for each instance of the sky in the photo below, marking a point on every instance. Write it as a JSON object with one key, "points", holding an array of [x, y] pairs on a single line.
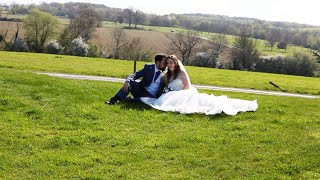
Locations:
{"points": [[304, 12]]}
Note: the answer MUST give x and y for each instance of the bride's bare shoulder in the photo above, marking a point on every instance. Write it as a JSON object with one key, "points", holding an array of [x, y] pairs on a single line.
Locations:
{"points": [[182, 74]]}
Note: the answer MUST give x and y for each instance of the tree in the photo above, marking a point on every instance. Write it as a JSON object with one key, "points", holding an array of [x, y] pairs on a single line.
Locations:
{"points": [[1, 11], [132, 49], [119, 39], [5, 31], [128, 15], [272, 37], [184, 43], [84, 25], [138, 17], [217, 45], [40, 26], [316, 54], [282, 45], [244, 53]]}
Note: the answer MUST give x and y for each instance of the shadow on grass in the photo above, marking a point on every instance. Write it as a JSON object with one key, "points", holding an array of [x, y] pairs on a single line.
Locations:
{"points": [[134, 105], [139, 106], [215, 117]]}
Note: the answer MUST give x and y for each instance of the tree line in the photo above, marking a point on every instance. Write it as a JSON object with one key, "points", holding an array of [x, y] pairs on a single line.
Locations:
{"points": [[42, 35], [287, 33]]}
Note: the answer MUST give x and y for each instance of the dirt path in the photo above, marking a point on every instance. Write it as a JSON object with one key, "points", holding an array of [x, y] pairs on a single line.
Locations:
{"points": [[109, 79]]}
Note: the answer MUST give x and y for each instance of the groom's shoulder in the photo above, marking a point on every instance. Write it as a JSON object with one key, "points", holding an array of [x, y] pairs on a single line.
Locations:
{"points": [[148, 65]]}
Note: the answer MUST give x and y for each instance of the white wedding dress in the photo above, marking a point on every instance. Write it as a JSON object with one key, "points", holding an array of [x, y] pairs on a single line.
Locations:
{"points": [[191, 101]]}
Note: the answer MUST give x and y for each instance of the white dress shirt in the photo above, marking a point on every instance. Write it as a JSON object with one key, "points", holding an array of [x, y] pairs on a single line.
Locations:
{"points": [[154, 86]]}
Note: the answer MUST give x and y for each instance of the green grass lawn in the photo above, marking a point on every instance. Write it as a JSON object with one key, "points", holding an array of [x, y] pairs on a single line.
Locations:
{"points": [[119, 68], [54, 128]]}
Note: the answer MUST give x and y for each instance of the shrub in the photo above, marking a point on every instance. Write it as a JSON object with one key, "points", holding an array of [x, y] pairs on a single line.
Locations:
{"points": [[18, 45], [147, 55], [271, 64], [79, 47], [200, 59], [93, 50], [132, 49], [301, 64], [282, 45], [53, 47]]}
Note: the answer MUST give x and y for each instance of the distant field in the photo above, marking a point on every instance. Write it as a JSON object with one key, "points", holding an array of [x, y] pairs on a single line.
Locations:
{"points": [[157, 41], [122, 68]]}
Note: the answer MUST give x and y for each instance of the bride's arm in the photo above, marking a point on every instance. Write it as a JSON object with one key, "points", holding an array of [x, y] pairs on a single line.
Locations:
{"points": [[185, 81]]}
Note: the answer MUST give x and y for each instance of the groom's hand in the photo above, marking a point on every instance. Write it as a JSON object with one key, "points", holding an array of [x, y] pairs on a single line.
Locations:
{"points": [[126, 87]]}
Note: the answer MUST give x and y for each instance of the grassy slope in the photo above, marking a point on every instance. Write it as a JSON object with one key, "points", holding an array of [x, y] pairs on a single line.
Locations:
{"points": [[114, 68], [55, 128]]}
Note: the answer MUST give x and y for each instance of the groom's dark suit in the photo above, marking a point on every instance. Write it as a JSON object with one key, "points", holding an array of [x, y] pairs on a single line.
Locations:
{"points": [[138, 89]]}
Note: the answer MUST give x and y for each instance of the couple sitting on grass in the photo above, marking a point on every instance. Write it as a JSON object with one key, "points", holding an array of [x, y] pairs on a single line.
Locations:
{"points": [[166, 86]]}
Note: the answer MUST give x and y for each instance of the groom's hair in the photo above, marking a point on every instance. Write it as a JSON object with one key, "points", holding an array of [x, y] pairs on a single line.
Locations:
{"points": [[159, 57]]}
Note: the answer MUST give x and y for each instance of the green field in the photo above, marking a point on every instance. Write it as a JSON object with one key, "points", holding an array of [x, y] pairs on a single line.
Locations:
{"points": [[122, 68], [54, 128]]}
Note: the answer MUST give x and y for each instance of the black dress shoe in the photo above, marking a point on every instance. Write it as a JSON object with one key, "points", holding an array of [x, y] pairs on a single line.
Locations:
{"points": [[112, 101]]}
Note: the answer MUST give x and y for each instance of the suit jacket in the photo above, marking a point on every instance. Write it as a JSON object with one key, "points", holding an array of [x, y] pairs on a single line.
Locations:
{"points": [[146, 74]]}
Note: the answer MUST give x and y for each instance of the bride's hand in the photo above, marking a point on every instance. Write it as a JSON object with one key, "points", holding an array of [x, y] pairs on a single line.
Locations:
{"points": [[167, 89]]}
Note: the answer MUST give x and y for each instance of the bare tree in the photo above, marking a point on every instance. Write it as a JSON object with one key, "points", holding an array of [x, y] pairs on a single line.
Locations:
{"points": [[216, 45], [9, 29], [128, 15], [138, 17], [273, 35], [102, 45], [119, 39], [184, 43], [132, 49], [1, 10]]}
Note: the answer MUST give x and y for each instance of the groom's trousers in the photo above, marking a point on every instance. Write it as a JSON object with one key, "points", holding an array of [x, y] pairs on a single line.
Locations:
{"points": [[136, 90]]}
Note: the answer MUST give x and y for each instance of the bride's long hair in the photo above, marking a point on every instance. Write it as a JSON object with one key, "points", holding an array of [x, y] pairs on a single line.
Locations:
{"points": [[177, 68]]}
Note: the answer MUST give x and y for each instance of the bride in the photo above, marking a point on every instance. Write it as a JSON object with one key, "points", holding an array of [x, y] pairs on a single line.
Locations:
{"points": [[180, 96]]}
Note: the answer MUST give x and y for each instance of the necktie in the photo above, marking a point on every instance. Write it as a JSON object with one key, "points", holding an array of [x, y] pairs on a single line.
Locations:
{"points": [[156, 76]]}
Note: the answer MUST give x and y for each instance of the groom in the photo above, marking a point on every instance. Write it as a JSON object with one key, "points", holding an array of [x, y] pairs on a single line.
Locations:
{"points": [[151, 84]]}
